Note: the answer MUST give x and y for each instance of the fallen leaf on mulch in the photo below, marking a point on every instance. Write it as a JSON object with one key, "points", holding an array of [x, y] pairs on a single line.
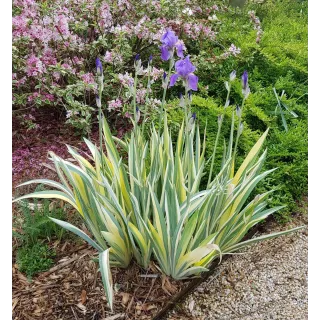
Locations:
{"points": [[125, 298], [83, 296]]}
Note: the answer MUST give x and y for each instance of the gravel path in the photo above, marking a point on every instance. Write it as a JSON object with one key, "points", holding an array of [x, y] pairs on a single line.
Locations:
{"points": [[268, 281]]}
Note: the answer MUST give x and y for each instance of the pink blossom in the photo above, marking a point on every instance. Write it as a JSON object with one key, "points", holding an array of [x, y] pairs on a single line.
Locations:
{"points": [[106, 18], [78, 60], [156, 73], [66, 66], [21, 81], [140, 95], [108, 57], [19, 24], [33, 96], [124, 5], [125, 79], [88, 78], [48, 57], [34, 66], [62, 24], [114, 105], [234, 50], [257, 25], [49, 97], [56, 75]]}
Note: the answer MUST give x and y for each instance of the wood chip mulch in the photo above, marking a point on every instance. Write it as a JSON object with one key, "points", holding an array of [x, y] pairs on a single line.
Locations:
{"points": [[73, 289]]}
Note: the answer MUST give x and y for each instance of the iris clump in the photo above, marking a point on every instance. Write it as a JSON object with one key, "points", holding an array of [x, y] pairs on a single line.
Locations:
{"points": [[153, 206]]}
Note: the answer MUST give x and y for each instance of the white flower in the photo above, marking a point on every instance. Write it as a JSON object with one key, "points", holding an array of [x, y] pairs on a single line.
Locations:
{"points": [[188, 11], [213, 18]]}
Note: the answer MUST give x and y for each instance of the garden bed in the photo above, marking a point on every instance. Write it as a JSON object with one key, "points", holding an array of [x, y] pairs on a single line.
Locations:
{"points": [[72, 288]]}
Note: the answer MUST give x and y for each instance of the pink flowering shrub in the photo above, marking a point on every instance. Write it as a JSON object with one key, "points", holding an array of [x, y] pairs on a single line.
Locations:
{"points": [[55, 44]]}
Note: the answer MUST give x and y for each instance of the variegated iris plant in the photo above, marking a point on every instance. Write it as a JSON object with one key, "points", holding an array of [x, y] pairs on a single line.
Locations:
{"points": [[151, 205]]}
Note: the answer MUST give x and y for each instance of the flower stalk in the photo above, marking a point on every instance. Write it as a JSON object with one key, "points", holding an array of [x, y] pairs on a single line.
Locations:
{"points": [[99, 70], [220, 122]]}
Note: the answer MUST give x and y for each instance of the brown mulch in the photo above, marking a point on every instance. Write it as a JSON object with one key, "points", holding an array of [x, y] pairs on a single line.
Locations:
{"points": [[73, 289], [30, 147]]}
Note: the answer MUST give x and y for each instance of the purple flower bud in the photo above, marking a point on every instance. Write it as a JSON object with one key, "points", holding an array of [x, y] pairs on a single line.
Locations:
{"points": [[98, 101], [245, 86], [99, 66], [241, 128], [191, 122], [189, 94], [137, 57], [137, 114], [150, 58], [233, 75], [238, 111], [164, 75], [182, 102], [244, 80]]}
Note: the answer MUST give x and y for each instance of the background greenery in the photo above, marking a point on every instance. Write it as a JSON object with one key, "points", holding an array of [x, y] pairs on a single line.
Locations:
{"points": [[280, 61]]}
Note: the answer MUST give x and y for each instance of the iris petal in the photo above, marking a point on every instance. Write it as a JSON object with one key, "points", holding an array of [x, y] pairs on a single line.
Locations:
{"points": [[192, 82], [165, 53], [173, 79]]}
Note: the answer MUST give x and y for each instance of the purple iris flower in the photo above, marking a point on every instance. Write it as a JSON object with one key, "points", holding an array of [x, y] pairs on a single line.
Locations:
{"points": [[184, 70], [169, 42], [99, 66], [137, 57]]}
